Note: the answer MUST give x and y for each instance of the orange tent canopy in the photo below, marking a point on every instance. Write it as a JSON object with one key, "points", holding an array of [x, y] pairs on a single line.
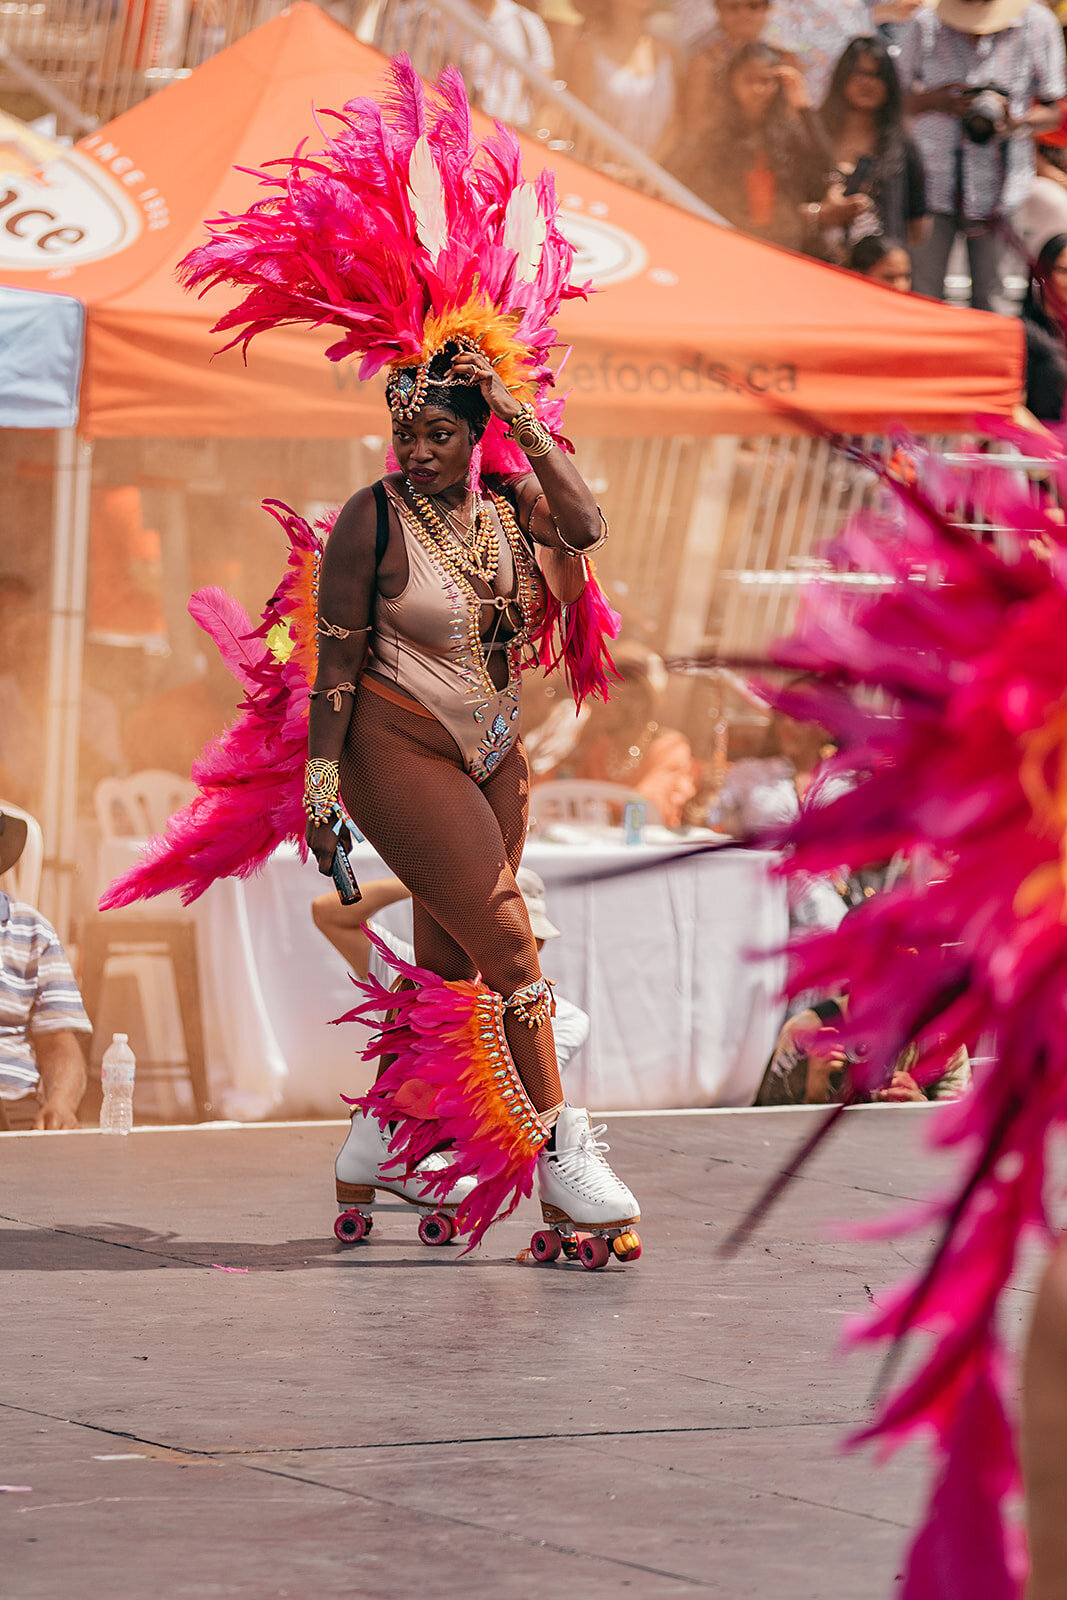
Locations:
{"points": [[698, 329]]}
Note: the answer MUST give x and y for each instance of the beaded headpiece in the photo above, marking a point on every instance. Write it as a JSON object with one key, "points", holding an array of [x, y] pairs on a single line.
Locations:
{"points": [[408, 233]]}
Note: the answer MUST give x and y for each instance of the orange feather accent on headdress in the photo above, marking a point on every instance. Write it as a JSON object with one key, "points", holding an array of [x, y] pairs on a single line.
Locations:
{"points": [[493, 331]]}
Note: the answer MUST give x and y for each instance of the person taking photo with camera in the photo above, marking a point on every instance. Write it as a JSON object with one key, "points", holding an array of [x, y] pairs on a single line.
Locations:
{"points": [[981, 78]]}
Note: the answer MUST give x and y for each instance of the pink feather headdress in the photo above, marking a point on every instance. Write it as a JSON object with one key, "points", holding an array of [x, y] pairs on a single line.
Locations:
{"points": [[405, 232]]}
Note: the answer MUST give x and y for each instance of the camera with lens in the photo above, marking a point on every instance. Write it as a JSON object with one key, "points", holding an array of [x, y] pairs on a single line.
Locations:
{"points": [[985, 112]]}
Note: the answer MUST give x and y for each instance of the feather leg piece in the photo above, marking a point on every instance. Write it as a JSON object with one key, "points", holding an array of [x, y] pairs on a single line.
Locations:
{"points": [[450, 1081]]}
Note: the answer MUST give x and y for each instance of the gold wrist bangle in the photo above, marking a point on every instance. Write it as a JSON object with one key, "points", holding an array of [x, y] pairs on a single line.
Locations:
{"points": [[530, 434], [321, 779]]}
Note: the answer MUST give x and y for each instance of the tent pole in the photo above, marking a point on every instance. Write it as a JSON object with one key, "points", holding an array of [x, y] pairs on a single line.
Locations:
{"points": [[70, 561]]}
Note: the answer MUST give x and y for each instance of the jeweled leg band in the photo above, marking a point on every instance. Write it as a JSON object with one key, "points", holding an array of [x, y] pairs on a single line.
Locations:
{"points": [[533, 1003]]}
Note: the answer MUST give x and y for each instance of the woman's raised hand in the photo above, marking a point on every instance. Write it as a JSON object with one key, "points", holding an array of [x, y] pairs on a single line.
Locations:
{"points": [[474, 367], [793, 87], [838, 209]]}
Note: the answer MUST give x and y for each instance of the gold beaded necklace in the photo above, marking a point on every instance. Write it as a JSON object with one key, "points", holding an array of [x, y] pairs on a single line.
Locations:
{"points": [[447, 556], [479, 552]]}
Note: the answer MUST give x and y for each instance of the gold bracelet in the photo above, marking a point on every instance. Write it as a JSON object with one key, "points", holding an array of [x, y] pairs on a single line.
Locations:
{"points": [[530, 433], [321, 780]]}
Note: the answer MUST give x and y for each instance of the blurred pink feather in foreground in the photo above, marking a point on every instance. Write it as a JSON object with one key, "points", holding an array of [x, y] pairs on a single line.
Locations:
{"points": [[948, 693]]}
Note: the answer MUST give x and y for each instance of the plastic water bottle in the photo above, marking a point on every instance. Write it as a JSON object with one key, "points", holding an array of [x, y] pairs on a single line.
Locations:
{"points": [[116, 1078], [633, 822]]}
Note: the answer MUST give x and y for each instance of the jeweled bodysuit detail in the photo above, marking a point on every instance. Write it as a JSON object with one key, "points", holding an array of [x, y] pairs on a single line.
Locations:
{"points": [[428, 639]]}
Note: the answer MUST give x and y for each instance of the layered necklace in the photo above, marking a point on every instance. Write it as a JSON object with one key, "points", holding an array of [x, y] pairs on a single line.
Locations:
{"points": [[473, 545]]}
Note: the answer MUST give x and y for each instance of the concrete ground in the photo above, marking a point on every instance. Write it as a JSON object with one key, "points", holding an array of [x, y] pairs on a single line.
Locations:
{"points": [[202, 1394]]}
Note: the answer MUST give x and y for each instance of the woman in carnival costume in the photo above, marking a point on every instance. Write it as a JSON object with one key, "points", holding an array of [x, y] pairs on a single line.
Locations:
{"points": [[435, 587], [947, 693]]}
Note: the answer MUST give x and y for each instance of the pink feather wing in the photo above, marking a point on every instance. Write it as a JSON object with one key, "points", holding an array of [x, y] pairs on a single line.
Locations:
{"points": [[249, 780]]}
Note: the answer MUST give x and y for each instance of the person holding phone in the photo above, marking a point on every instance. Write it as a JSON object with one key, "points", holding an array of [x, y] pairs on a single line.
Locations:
{"points": [[874, 155]]}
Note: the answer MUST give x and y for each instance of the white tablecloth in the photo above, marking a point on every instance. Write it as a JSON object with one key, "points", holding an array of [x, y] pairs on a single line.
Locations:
{"points": [[684, 1012]]}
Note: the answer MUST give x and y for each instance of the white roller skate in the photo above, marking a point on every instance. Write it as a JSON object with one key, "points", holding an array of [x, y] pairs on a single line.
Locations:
{"points": [[590, 1212], [358, 1173]]}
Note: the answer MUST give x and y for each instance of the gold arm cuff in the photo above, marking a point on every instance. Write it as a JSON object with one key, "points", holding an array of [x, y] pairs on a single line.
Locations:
{"points": [[587, 550], [321, 779], [530, 434]]}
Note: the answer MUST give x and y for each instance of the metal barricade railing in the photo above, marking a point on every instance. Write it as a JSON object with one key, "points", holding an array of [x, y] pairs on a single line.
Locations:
{"points": [[89, 60], [444, 32], [790, 498], [104, 56]]}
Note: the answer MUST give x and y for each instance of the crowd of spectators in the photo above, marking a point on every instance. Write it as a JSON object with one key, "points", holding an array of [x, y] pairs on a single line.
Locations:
{"points": [[891, 137]]}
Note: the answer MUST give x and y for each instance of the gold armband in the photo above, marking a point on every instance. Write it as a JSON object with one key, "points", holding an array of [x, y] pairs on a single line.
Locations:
{"points": [[586, 550], [333, 695]]}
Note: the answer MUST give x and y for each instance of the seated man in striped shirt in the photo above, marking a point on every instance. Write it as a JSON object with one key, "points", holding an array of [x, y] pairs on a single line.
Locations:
{"points": [[42, 1068]]}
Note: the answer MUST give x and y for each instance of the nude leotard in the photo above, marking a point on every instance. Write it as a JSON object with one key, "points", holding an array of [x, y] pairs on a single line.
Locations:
{"points": [[427, 640]]}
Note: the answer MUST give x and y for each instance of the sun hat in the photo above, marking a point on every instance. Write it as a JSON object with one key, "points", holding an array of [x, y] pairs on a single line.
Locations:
{"points": [[532, 889], [980, 17], [13, 832]]}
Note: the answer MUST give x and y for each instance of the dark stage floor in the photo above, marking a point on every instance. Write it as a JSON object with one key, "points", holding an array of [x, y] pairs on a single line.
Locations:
{"points": [[390, 1422]]}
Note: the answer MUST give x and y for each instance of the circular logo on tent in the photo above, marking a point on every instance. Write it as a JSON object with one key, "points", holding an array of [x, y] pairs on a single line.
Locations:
{"points": [[65, 213], [603, 253]]}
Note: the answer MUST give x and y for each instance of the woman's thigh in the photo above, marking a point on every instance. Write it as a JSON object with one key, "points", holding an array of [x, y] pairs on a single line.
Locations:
{"points": [[441, 835], [508, 792]]}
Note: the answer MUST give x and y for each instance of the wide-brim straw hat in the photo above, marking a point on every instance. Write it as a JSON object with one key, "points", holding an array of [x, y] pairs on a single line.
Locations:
{"points": [[13, 832], [980, 16]]}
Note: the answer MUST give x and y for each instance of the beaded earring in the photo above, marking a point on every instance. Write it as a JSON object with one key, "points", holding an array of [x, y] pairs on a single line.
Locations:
{"points": [[474, 476]]}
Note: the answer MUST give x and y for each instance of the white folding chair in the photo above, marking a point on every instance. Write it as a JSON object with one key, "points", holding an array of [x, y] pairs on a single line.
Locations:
{"points": [[138, 938], [138, 806]]}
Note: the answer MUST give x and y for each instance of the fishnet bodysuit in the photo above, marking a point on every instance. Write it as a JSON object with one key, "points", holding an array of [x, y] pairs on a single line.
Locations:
{"points": [[456, 845]]}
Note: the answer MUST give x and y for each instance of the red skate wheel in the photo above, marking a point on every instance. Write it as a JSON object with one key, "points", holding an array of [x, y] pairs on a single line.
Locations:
{"points": [[593, 1252], [437, 1228], [627, 1246], [351, 1227], [545, 1245]]}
